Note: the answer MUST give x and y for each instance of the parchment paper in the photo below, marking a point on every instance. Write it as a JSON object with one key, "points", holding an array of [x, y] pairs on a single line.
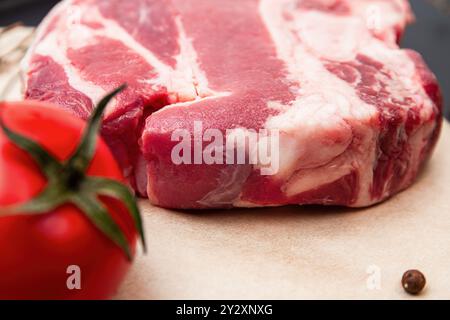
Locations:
{"points": [[302, 252]]}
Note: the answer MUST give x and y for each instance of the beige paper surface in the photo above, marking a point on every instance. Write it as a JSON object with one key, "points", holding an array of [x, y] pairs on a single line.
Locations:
{"points": [[301, 252]]}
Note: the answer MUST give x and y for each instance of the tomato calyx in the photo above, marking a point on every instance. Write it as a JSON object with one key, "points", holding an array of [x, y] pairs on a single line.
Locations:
{"points": [[68, 182]]}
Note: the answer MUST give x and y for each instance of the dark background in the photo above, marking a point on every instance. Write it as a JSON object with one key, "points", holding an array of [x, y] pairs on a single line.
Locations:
{"points": [[430, 35]]}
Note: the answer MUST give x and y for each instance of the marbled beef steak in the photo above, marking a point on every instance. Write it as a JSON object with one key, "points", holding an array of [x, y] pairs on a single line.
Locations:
{"points": [[357, 116]]}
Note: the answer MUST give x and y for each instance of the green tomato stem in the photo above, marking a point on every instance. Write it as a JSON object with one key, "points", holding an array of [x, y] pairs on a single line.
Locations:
{"points": [[68, 182]]}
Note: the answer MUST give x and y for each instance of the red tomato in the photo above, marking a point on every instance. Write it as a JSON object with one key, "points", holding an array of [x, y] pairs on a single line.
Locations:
{"points": [[38, 250]]}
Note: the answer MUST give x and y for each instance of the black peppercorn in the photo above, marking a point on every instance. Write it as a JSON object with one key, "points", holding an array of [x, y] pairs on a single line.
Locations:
{"points": [[413, 281]]}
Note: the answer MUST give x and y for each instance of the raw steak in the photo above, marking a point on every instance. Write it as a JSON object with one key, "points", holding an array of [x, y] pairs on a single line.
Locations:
{"points": [[357, 117]]}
